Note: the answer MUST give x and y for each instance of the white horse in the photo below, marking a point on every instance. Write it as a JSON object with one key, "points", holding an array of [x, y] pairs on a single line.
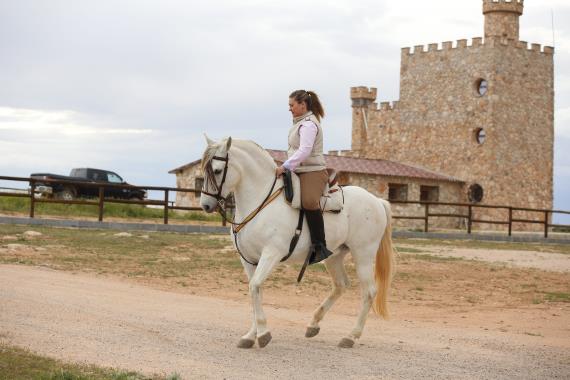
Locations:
{"points": [[363, 228]]}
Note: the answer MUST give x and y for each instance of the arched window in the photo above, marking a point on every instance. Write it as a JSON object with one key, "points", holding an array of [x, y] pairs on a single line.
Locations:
{"points": [[481, 86], [475, 193], [480, 135]]}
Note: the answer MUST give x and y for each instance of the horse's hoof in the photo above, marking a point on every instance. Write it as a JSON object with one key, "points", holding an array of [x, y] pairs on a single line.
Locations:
{"points": [[264, 339], [246, 343], [346, 343], [312, 331]]}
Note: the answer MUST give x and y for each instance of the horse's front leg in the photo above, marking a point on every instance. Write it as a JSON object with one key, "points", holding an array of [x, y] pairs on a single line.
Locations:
{"points": [[248, 340], [269, 260]]}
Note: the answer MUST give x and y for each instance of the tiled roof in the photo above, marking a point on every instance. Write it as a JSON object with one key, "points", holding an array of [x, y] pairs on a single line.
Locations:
{"points": [[373, 167], [359, 165]]}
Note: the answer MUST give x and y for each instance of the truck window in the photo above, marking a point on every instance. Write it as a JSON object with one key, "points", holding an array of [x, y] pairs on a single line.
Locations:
{"points": [[78, 173], [113, 178], [98, 176]]}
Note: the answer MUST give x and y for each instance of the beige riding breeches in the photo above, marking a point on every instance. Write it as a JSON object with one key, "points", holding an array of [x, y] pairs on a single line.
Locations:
{"points": [[312, 187]]}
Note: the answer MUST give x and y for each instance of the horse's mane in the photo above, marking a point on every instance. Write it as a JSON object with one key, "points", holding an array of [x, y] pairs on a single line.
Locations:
{"points": [[211, 150]]}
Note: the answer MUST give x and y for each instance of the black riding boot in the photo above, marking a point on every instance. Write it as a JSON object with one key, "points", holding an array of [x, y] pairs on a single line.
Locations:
{"points": [[319, 250]]}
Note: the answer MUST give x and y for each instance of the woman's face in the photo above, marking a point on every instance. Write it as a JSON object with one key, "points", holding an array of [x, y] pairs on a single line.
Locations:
{"points": [[297, 109]]}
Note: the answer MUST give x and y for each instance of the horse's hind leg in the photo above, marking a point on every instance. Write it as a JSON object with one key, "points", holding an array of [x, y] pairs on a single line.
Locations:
{"points": [[364, 260], [335, 267]]}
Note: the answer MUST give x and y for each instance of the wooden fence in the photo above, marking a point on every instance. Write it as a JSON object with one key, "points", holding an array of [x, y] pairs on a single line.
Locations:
{"points": [[468, 215], [167, 204]]}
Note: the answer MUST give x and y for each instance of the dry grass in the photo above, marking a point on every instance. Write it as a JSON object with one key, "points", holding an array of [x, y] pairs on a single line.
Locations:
{"points": [[208, 265]]}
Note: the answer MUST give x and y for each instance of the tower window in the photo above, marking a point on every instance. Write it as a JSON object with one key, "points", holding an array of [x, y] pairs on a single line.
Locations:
{"points": [[475, 193], [480, 135], [397, 192], [481, 86]]}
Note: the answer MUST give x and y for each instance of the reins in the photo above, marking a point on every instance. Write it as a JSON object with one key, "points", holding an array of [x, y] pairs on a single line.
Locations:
{"points": [[236, 227], [218, 195]]}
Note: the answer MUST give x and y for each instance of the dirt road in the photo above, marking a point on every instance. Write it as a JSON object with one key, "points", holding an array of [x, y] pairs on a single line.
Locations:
{"points": [[111, 322]]}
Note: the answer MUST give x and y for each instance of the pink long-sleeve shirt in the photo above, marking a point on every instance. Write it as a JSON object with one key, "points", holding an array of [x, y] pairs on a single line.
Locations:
{"points": [[307, 132]]}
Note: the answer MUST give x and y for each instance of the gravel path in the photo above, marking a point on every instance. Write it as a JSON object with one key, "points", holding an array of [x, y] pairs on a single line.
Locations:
{"points": [[83, 318], [556, 262]]}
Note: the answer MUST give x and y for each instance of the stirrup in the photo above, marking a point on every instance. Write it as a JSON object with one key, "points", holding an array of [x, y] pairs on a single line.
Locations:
{"points": [[319, 252]]}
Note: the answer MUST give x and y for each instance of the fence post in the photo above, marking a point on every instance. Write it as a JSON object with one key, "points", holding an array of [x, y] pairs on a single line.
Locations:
{"points": [[32, 197], [469, 218], [545, 224], [165, 206], [101, 197], [427, 217], [510, 221]]}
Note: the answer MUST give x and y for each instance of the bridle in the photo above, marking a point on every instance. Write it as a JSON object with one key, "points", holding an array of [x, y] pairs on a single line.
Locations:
{"points": [[211, 178], [236, 227]]}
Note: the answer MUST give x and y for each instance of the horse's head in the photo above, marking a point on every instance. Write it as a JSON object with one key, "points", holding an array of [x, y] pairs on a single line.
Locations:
{"points": [[219, 177]]}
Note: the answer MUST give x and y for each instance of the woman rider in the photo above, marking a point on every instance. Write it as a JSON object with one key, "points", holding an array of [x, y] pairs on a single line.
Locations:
{"points": [[305, 158]]}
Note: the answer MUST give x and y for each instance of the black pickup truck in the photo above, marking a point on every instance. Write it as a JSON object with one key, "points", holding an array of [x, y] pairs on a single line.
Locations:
{"points": [[81, 176]]}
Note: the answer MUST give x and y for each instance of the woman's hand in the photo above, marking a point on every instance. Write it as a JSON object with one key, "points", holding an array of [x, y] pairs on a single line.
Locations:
{"points": [[279, 171]]}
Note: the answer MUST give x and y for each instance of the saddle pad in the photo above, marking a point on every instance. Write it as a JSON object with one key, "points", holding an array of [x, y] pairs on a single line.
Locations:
{"points": [[331, 201]]}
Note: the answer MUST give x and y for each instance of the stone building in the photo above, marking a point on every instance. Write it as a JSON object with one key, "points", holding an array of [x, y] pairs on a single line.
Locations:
{"points": [[481, 111]]}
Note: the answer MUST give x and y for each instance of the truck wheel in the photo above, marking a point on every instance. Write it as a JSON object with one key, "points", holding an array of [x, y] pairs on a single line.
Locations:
{"points": [[66, 194]]}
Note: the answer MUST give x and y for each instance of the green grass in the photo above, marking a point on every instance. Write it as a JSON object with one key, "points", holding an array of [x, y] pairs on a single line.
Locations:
{"points": [[557, 296], [113, 210], [408, 250], [17, 363], [437, 259]]}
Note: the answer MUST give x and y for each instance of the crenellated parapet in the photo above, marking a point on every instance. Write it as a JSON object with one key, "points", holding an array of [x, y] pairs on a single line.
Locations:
{"points": [[362, 96], [512, 6], [475, 42], [384, 106]]}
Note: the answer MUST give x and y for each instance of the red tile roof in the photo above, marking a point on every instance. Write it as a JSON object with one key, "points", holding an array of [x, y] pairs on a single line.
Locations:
{"points": [[373, 167], [359, 165]]}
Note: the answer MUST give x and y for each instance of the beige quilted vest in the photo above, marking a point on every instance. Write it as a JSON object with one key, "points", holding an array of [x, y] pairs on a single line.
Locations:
{"points": [[316, 160]]}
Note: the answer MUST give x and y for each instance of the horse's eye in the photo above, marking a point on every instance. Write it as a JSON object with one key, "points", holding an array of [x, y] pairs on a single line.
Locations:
{"points": [[218, 171]]}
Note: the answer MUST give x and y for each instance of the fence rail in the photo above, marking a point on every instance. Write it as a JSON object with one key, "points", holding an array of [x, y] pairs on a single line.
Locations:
{"points": [[101, 199], [544, 213], [169, 205]]}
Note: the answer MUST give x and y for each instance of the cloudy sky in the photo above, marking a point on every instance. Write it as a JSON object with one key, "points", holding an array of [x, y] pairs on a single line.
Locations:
{"points": [[131, 85]]}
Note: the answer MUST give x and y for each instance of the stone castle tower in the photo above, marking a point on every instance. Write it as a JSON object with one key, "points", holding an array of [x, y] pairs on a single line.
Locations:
{"points": [[481, 111]]}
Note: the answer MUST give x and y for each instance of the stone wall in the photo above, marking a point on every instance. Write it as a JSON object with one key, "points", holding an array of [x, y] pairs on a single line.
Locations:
{"points": [[448, 192]]}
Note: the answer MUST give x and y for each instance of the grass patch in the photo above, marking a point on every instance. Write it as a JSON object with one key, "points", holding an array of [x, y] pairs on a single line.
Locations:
{"points": [[17, 363], [557, 296], [111, 210], [437, 259], [408, 250]]}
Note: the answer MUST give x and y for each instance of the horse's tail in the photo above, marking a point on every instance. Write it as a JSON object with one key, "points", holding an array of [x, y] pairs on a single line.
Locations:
{"points": [[384, 265]]}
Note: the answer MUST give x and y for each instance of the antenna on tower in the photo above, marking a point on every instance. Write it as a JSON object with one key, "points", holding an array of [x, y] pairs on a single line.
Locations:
{"points": [[553, 36]]}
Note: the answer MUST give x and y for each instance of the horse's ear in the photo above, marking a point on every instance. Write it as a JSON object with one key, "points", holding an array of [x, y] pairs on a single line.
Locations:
{"points": [[228, 143], [209, 141]]}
